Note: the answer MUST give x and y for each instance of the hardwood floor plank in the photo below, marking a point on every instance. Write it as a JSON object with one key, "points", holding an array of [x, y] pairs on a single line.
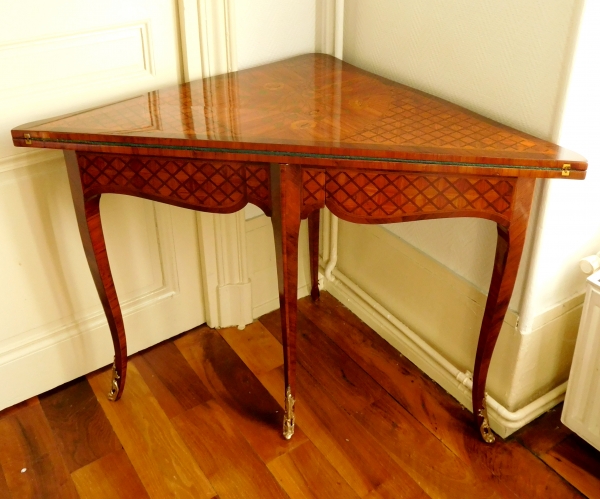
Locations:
{"points": [[256, 347], [432, 406], [359, 459], [111, 476], [387, 490], [247, 403], [4, 491], [79, 424], [226, 458], [324, 353], [437, 469], [157, 452], [171, 379], [343, 379], [17, 407], [578, 463], [304, 473], [200, 390], [167, 401], [544, 433], [31, 463]]}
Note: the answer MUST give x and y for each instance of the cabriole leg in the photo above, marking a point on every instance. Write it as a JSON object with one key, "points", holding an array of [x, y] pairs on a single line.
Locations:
{"points": [[286, 190], [92, 236], [313, 250], [509, 249]]}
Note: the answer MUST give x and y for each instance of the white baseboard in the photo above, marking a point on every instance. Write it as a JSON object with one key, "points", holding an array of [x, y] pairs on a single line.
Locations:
{"points": [[79, 346]]}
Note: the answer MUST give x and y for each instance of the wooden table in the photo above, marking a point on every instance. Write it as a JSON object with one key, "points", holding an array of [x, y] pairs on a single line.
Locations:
{"points": [[293, 137]]}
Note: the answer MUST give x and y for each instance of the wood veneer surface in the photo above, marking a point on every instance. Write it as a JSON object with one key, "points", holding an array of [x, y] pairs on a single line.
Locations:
{"points": [[309, 106]]}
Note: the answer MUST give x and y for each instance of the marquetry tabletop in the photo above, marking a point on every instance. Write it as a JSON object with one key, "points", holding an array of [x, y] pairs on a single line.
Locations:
{"points": [[312, 106]]}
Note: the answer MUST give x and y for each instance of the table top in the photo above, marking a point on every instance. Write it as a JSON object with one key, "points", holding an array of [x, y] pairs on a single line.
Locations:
{"points": [[310, 106]]}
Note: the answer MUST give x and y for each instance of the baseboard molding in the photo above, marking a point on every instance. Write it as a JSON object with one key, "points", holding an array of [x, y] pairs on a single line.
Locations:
{"points": [[504, 422], [66, 329], [79, 346]]}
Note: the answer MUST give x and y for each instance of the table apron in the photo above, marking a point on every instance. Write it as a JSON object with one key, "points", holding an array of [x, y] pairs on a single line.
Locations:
{"points": [[360, 196]]}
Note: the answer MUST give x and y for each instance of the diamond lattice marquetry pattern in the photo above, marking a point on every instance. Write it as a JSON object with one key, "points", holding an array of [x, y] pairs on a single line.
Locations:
{"points": [[215, 185], [387, 195], [258, 186], [313, 189], [414, 119], [292, 102]]}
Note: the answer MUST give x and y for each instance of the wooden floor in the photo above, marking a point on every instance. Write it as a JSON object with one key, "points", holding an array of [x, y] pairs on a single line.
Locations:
{"points": [[201, 418]]}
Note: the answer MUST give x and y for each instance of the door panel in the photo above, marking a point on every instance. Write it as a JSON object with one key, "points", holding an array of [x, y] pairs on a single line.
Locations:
{"points": [[56, 57]]}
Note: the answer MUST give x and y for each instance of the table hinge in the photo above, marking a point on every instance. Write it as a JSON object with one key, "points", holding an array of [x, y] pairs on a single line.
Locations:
{"points": [[27, 138], [566, 170]]}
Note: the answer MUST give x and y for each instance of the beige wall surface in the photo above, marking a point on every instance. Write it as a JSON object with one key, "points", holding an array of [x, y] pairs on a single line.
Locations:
{"points": [[506, 60], [569, 227], [271, 30]]}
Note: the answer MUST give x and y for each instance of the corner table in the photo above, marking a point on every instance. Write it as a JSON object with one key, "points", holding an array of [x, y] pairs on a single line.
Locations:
{"points": [[293, 137]]}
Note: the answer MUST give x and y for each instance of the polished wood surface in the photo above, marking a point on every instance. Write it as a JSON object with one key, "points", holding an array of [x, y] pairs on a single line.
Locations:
{"points": [[509, 248], [403, 419], [293, 137], [159, 454], [83, 433], [87, 212], [286, 201], [308, 105], [314, 220]]}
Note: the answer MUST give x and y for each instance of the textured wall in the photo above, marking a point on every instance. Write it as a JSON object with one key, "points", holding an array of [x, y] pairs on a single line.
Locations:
{"points": [[507, 60]]}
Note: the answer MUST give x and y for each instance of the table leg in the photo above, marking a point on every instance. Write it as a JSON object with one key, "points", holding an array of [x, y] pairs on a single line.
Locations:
{"points": [[509, 248], [286, 201], [313, 249], [92, 236]]}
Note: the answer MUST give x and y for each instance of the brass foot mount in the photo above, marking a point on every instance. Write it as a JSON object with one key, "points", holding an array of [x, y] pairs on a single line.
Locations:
{"points": [[289, 419], [486, 431], [114, 386]]}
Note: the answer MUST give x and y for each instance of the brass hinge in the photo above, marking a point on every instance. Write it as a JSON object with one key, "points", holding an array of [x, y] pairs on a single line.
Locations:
{"points": [[27, 138], [566, 170]]}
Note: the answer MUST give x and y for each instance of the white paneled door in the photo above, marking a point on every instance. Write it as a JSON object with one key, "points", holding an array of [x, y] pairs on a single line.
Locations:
{"points": [[58, 56]]}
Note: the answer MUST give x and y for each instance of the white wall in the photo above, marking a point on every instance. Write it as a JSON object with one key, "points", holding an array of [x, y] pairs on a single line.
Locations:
{"points": [[505, 60], [271, 30], [569, 228]]}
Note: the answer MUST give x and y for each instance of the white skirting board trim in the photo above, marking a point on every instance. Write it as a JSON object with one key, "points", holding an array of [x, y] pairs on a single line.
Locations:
{"points": [[78, 347], [70, 327], [503, 421]]}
